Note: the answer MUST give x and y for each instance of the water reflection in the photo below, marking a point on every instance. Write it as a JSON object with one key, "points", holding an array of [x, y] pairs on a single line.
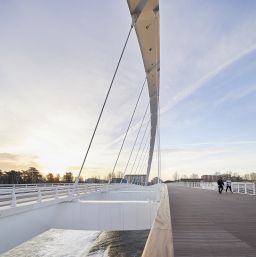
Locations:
{"points": [[120, 243], [74, 243]]}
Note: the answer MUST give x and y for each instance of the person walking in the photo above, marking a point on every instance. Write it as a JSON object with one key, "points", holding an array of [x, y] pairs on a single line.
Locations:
{"points": [[228, 185], [220, 184]]}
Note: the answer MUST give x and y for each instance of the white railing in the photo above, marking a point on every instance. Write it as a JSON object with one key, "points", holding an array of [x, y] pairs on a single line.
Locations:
{"points": [[237, 187], [18, 195]]}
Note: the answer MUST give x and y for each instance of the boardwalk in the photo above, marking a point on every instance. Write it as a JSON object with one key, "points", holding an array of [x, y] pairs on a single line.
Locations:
{"points": [[208, 224]]}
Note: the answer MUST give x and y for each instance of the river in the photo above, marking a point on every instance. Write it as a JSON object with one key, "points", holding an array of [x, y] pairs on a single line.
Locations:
{"points": [[74, 243]]}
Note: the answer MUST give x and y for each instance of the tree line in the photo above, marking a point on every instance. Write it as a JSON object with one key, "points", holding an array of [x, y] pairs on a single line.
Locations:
{"points": [[32, 176], [236, 176]]}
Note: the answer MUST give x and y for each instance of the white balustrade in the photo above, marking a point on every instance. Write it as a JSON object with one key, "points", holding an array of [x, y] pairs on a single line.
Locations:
{"points": [[20, 194], [248, 188]]}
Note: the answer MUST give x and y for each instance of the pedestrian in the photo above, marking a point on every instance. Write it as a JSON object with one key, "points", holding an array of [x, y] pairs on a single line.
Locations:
{"points": [[228, 185], [220, 184]]}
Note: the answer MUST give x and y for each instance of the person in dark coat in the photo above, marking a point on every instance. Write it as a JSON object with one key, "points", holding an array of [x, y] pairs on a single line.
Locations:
{"points": [[220, 184]]}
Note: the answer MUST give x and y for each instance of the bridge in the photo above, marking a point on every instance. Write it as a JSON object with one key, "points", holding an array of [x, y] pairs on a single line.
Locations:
{"points": [[30, 210], [206, 223], [184, 219]]}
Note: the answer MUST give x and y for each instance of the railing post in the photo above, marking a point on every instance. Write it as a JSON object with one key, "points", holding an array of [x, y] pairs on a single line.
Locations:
{"points": [[75, 190], [70, 192], [245, 188], [78, 190], [56, 193], [39, 199], [13, 202]]}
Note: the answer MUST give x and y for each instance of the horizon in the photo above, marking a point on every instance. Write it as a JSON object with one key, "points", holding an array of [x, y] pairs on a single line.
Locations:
{"points": [[175, 175], [57, 62]]}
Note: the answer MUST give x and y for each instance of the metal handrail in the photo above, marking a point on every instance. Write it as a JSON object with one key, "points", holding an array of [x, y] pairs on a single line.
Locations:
{"points": [[248, 188], [16, 195]]}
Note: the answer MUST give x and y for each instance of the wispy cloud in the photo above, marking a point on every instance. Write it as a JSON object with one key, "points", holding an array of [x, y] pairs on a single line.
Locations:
{"points": [[236, 95], [10, 161], [192, 88], [241, 142]]}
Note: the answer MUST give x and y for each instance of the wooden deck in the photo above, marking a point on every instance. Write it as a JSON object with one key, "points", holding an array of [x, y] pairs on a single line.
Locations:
{"points": [[207, 224]]}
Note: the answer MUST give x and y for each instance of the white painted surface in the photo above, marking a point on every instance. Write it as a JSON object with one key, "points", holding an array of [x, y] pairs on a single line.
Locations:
{"points": [[18, 195], [18, 228], [124, 208], [106, 215], [146, 15]]}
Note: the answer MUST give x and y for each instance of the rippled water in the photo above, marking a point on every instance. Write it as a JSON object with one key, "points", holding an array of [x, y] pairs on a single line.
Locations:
{"points": [[121, 243], [73, 243]]}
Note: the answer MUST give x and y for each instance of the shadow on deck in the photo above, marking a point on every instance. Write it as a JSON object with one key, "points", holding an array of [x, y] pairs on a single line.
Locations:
{"points": [[208, 224]]}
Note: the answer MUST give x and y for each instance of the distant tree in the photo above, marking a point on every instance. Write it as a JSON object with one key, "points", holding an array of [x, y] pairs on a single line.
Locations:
{"points": [[236, 174], [253, 176], [109, 176], [175, 176], [119, 174], [50, 178], [14, 177], [3, 177], [246, 176], [229, 173], [194, 176], [32, 175], [57, 178], [68, 177]]}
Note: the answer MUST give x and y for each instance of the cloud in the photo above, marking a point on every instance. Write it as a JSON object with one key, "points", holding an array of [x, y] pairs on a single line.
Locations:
{"points": [[191, 154], [236, 95], [9, 161], [241, 142], [192, 88], [7, 157], [55, 77]]}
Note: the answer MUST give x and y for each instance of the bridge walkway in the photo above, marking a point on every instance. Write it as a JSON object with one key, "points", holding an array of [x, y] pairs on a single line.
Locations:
{"points": [[206, 224]]}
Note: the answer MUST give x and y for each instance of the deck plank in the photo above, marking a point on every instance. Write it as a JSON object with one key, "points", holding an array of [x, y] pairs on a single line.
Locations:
{"points": [[207, 224]]}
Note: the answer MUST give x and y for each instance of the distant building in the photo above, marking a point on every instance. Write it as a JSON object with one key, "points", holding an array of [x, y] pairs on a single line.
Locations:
{"points": [[116, 180], [210, 178], [190, 180], [214, 178], [155, 180], [136, 179], [95, 180]]}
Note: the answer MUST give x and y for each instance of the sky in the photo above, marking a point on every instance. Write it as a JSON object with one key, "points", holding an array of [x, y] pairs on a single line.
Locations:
{"points": [[57, 59]]}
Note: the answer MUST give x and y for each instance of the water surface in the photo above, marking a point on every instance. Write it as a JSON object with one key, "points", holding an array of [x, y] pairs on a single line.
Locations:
{"points": [[76, 243]]}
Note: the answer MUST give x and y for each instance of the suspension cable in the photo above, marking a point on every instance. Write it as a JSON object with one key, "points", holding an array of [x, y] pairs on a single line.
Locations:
{"points": [[142, 163], [159, 151], [140, 146], [142, 166], [113, 78], [127, 130], [139, 149], [142, 153], [135, 140], [139, 168]]}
